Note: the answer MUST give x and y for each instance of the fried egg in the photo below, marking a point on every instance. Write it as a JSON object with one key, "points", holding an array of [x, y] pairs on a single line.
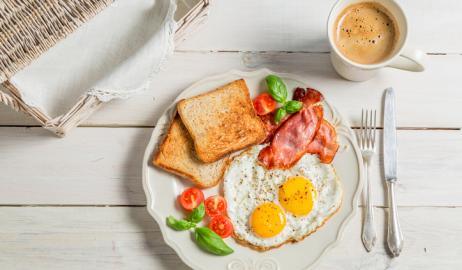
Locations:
{"points": [[271, 207]]}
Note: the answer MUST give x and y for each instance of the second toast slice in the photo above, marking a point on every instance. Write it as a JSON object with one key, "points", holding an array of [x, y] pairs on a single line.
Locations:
{"points": [[176, 154]]}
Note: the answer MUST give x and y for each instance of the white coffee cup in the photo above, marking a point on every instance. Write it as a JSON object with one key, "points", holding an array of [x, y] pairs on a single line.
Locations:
{"points": [[402, 57]]}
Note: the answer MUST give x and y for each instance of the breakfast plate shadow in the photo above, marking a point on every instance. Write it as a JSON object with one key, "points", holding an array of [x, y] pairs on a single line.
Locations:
{"points": [[162, 189]]}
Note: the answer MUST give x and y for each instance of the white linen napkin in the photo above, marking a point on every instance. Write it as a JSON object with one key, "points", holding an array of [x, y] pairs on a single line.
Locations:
{"points": [[113, 55]]}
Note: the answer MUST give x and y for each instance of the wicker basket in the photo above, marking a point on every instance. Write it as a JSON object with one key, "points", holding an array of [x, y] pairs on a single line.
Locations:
{"points": [[189, 15]]}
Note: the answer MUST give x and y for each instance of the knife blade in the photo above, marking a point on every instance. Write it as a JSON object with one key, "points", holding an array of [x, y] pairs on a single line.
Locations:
{"points": [[394, 235], [389, 136]]}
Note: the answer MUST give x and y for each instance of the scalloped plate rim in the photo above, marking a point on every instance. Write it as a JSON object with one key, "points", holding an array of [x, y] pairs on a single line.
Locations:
{"points": [[345, 131]]}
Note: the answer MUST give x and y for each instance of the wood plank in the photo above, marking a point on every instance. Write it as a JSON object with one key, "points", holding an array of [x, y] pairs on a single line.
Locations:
{"points": [[103, 166], [127, 238], [437, 88], [72, 238], [300, 25], [426, 244], [428, 166], [91, 166]]}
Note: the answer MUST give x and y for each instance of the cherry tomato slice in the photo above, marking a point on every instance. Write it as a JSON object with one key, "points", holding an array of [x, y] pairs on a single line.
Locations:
{"points": [[221, 225], [264, 104], [191, 198], [215, 205]]}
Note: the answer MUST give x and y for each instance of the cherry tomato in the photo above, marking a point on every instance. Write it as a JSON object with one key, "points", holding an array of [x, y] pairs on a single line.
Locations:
{"points": [[221, 225], [191, 198], [264, 104], [215, 205]]}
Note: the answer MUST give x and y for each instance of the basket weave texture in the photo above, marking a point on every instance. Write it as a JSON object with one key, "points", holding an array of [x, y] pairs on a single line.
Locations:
{"points": [[30, 27]]}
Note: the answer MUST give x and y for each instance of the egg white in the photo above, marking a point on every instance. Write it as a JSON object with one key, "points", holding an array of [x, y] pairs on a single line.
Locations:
{"points": [[247, 185]]}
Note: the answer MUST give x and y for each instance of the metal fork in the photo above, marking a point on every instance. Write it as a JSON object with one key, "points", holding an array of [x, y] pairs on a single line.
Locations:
{"points": [[366, 138]]}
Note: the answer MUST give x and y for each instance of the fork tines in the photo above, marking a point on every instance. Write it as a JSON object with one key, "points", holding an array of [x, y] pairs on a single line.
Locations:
{"points": [[368, 129]]}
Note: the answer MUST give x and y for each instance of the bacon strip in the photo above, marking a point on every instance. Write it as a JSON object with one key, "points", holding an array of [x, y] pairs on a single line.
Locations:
{"points": [[324, 143], [309, 97], [271, 127], [291, 140]]}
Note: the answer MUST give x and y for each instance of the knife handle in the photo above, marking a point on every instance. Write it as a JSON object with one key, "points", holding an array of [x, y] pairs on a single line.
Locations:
{"points": [[394, 237]]}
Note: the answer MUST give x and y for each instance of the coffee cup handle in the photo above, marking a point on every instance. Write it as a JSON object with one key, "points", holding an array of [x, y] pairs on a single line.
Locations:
{"points": [[409, 59]]}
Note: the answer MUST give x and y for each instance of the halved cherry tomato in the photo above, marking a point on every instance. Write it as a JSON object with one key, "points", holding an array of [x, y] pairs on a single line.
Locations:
{"points": [[215, 205], [191, 198], [221, 225], [264, 104]]}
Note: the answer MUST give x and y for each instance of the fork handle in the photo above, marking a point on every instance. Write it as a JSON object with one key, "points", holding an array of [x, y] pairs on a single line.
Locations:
{"points": [[369, 235], [394, 236]]}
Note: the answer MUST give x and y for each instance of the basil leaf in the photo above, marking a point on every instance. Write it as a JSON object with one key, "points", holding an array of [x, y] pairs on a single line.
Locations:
{"points": [[179, 225], [211, 242], [280, 113], [197, 214], [293, 106], [276, 88]]}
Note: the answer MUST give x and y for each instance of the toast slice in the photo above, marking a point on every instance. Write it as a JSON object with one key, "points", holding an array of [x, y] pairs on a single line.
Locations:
{"points": [[222, 121], [176, 154]]}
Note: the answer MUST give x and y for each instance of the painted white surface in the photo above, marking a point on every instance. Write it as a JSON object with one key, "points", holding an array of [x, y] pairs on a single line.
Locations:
{"points": [[127, 238], [103, 166], [100, 165], [422, 98], [275, 25]]}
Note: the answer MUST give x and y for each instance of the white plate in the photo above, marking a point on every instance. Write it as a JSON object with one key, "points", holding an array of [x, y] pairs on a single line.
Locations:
{"points": [[162, 189]]}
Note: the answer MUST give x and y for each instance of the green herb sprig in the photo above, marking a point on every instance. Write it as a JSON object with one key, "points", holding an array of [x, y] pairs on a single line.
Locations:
{"points": [[209, 241], [197, 214], [278, 91], [205, 238]]}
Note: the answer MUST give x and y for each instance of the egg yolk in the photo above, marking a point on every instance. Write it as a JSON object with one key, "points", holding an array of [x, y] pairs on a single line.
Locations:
{"points": [[267, 220], [297, 195]]}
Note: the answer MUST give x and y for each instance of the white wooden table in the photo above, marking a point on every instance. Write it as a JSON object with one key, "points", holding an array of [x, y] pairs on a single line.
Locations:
{"points": [[78, 203]]}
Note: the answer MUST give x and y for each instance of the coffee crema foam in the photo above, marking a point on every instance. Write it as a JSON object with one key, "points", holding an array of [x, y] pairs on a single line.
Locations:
{"points": [[365, 33]]}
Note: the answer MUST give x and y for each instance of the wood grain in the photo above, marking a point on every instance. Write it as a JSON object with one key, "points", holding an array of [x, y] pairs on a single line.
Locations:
{"points": [[77, 238], [423, 98], [425, 242], [301, 26], [91, 166], [44, 181], [128, 238], [102, 166]]}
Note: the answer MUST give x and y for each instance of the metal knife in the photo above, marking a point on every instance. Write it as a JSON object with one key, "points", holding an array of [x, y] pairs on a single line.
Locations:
{"points": [[394, 236]]}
